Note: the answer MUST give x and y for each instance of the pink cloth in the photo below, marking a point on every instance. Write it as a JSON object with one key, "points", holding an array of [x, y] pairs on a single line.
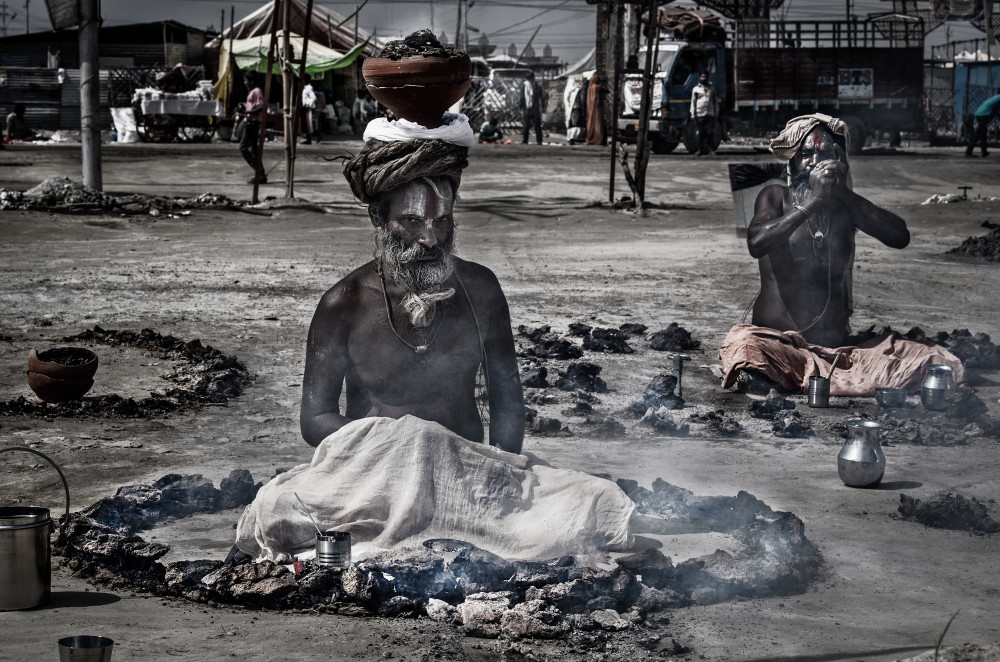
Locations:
{"points": [[254, 104], [789, 360]]}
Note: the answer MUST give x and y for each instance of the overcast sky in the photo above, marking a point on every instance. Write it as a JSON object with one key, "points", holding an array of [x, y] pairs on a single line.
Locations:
{"points": [[566, 25]]}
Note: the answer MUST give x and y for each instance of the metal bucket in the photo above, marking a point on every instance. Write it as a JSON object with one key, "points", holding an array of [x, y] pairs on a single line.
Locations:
{"points": [[25, 552], [333, 548], [85, 648]]}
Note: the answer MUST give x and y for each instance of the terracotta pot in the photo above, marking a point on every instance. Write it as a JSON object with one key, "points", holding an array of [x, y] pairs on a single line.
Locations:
{"points": [[62, 373], [417, 88], [58, 390]]}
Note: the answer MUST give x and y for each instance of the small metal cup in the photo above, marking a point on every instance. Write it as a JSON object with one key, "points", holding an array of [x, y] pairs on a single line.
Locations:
{"points": [[333, 548], [819, 392]]}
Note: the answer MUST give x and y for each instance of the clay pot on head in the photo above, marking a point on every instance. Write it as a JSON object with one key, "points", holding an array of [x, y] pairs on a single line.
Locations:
{"points": [[418, 88], [62, 373]]}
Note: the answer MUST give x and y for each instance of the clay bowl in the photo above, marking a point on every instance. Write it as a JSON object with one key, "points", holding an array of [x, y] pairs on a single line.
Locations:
{"points": [[58, 390], [62, 373], [417, 88]]}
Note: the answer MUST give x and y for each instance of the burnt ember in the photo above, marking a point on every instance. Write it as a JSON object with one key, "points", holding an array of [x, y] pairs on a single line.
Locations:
{"points": [[579, 329], [546, 344], [207, 376], [674, 338], [789, 424], [602, 426], [472, 589], [771, 406], [633, 329], [986, 246], [421, 42], [966, 419], [140, 507], [543, 426], [660, 393], [533, 374], [717, 424], [581, 376], [610, 341], [949, 511], [664, 421]]}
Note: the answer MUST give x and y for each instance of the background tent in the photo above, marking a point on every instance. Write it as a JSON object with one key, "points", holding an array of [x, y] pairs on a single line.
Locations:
{"points": [[343, 42]]}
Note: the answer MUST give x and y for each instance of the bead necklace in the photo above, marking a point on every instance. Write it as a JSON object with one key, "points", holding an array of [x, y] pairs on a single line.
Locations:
{"points": [[417, 349]]}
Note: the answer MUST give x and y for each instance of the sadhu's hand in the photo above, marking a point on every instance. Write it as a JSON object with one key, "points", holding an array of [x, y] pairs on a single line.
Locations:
{"points": [[828, 178]]}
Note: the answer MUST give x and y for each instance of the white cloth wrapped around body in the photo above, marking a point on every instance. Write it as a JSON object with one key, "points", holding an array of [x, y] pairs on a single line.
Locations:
{"points": [[395, 483]]}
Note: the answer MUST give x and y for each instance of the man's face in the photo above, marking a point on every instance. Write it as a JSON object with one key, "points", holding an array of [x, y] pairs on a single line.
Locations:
{"points": [[704, 79], [415, 243], [421, 216], [817, 146]]}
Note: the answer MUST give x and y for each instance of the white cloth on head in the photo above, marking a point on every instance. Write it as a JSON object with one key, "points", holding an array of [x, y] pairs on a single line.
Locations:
{"points": [[396, 483], [456, 130]]}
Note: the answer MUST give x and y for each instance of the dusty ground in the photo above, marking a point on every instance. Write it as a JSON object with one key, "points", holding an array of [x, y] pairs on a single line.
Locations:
{"points": [[248, 286]]}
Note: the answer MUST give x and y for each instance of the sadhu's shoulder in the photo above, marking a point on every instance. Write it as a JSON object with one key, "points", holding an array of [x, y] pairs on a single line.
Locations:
{"points": [[773, 194], [350, 289], [476, 275]]}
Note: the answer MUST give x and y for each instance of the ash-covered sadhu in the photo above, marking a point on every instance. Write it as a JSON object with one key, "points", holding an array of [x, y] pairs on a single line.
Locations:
{"points": [[403, 337], [803, 237]]}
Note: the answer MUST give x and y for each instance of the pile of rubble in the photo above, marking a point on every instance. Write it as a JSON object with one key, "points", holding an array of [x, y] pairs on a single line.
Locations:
{"points": [[206, 375], [949, 511], [986, 246], [966, 419], [64, 195], [473, 589]]}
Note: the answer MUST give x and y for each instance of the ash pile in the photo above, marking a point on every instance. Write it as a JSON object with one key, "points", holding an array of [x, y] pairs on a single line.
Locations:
{"points": [[985, 247], [206, 375], [476, 591], [62, 194]]}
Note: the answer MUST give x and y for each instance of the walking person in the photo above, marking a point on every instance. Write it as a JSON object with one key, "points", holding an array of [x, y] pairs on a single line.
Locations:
{"points": [[984, 115], [531, 107], [308, 108], [704, 110], [253, 110]]}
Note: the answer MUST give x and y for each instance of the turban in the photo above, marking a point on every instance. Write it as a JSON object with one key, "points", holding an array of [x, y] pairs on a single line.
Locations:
{"points": [[787, 143], [399, 152]]}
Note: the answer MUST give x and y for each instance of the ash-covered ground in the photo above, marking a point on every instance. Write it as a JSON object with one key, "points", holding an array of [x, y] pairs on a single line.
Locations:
{"points": [[618, 293]]}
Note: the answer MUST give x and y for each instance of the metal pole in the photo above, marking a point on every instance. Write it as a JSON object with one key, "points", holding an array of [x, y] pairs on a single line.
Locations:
{"points": [[90, 95]]}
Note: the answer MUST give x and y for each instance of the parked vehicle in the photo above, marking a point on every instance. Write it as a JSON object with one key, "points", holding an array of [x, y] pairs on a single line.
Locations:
{"points": [[868, 73]]}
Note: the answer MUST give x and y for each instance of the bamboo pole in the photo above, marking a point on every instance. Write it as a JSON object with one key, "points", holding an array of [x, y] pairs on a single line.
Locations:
{"points": [[290, 166], [287, 91], [267, 96]]}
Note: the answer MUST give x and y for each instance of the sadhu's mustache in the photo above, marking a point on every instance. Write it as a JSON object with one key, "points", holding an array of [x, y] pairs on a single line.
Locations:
{"points": [[420, 252]]}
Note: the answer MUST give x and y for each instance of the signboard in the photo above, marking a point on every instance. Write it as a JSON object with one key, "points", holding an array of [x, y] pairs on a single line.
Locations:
{"points": [[855, 83], [957, 10], [63, 13]]}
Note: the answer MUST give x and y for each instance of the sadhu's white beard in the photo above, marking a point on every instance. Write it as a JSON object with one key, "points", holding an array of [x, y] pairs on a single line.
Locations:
{"points": [[422, 279], [802, 192]]}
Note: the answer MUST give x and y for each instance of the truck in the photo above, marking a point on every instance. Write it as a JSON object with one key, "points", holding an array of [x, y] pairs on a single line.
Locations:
{"points": [[868, 73]]}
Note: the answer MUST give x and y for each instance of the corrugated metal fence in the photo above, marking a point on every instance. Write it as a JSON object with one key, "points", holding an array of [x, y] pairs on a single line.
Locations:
{"points": [[50, 105]]}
